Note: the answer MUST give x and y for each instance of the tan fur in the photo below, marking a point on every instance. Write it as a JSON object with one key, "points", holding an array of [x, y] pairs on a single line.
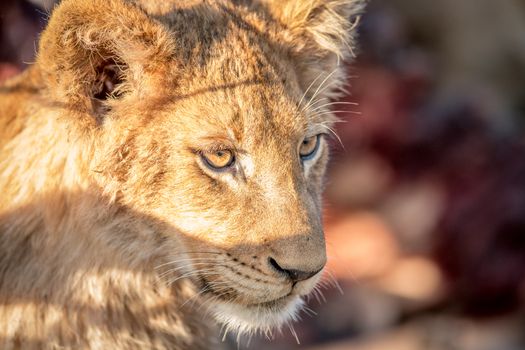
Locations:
{"points": [[113, 234]]}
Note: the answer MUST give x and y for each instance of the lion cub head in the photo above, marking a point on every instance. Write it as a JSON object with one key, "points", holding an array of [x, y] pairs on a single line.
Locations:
{"points": [[210, 117]]}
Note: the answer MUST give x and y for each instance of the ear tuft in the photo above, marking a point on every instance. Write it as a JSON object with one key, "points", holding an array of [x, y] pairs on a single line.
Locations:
{"points": [[329, 24], [320, 34]]}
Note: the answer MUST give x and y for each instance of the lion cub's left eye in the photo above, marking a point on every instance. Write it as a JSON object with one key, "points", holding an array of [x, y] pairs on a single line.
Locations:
{"points": [[218, 160], [309, 147]]}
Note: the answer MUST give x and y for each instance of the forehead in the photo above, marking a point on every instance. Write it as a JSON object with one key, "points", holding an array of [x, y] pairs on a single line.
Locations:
{"points": [[249, 113], [232, 77]]}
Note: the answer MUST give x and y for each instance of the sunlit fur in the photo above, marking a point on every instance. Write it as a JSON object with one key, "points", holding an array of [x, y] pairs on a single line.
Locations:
{"points": [[113, 232]]}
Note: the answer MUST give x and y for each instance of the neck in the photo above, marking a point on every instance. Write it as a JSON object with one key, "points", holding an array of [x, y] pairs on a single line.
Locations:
{"points": [[79, 260]]}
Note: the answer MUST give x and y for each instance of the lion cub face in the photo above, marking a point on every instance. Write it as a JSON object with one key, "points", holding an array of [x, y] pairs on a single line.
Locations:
{"points": [[212, 119], [244, 195]]}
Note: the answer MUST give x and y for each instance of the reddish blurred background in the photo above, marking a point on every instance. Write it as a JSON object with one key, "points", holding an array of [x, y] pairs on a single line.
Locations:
{"points": [[425, 204]]}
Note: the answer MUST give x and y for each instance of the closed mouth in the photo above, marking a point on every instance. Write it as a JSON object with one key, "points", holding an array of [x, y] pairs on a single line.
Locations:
{"points": [[277, 303], [272, 304]]}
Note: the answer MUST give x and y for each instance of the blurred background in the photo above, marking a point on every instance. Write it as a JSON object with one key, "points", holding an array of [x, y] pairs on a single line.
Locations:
{"points": [[425, 203]]}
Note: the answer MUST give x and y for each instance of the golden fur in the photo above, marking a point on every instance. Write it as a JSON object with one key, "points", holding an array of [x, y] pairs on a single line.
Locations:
{"points": [[113, 233]]}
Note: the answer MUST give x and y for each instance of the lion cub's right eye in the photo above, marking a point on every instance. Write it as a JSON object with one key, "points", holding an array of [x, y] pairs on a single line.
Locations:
{"points": [[218, 160]]}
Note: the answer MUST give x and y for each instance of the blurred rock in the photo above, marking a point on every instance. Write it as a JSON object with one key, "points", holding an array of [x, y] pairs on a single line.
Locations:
{"points": [[360, 246], [416, 279], [361, 309], [413, 210], [358, 181]]}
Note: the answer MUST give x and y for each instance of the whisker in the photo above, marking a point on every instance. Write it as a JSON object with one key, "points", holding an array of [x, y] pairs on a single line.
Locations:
{"points": [[184, 260], [192, 267], [332, 104], [225, 333], [335, 283], [323, 284], [191, 274], [313, 99], [319, 294], [309, 87], [211, 286], [332, 131], [238, 339], [250, 336], [292, 330], [334, 112], [320, 86], [312, 105], [186, 275], [326, 87], [190, 263], [309, 311], [316, 296], [194, 298]]}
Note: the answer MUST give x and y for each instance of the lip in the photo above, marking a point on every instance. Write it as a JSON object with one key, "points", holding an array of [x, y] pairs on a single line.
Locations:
{"points": [[271, 304], [278, 302]]}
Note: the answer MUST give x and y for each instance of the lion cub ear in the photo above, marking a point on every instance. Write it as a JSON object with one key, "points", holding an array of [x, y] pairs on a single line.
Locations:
{"points": [[321, 34], [96, 52]]}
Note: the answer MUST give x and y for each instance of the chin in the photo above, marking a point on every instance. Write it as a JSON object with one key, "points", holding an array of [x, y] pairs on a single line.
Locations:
{"points": [[257, 318]]}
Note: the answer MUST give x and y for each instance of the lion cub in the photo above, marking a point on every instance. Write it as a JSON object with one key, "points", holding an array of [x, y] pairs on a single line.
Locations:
{"points": [[163, 161]]}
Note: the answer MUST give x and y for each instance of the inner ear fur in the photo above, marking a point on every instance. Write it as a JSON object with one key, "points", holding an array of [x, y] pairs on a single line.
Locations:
{"points": [[108, 84], [94, 51], [321, 35]]}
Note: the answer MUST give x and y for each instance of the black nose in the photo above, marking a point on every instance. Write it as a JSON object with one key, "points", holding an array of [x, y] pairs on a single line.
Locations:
{"points": [[295, 275]]}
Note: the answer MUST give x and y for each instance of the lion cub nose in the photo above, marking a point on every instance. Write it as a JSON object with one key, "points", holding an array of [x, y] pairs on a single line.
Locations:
{"points": [[293, 274]]}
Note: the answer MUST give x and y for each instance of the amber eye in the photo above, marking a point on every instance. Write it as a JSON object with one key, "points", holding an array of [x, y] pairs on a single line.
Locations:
{"points": [[309, 147], [218, 160]]}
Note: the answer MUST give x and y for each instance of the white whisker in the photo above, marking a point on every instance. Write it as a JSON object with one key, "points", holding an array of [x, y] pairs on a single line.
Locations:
{"points": [[332, 131], [292, 330], [184, 260], [332, 104], [334, 281], [309, 87], [320, 86]]}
